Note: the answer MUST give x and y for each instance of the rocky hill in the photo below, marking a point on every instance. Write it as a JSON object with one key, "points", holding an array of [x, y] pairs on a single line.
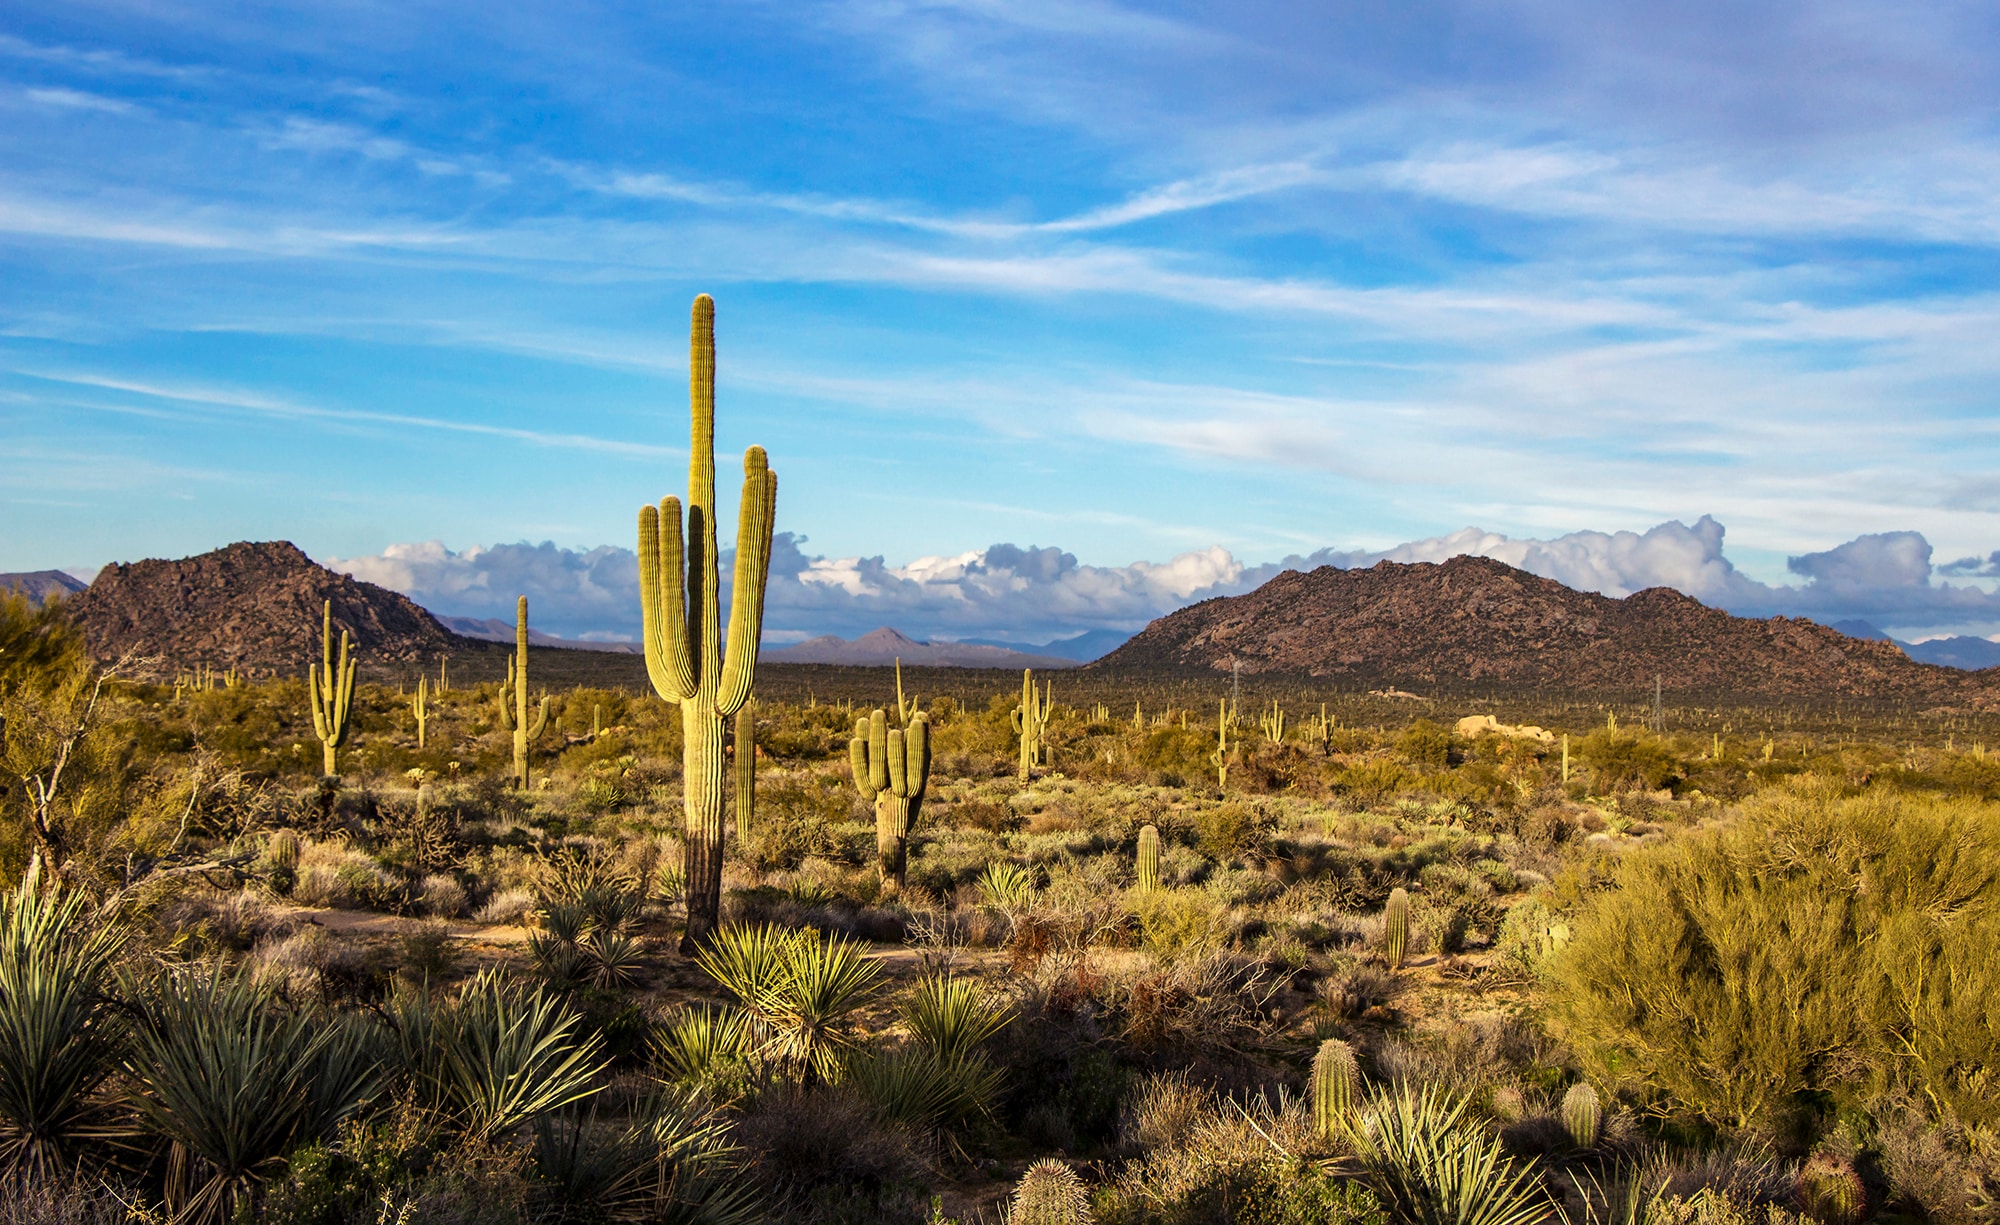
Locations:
{"points": [[1473, 621], [251, 606]]}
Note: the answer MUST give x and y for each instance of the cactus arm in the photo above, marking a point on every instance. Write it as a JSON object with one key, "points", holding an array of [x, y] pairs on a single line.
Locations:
{"points": [[541, 720], [345, 698], [505, 698], [898, 765], [662, 607], [857, 758], [755, 520], [917, 749], [878, 751], [318, 704]]}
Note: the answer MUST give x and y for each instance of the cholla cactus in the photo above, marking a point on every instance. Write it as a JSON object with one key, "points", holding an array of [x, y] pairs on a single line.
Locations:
{"points": [[891, 767], [1336, 1075], [1396, 928], [1149, 859], [332, 689], [1050, 1193], [1030, 718], [1582, 1115]]}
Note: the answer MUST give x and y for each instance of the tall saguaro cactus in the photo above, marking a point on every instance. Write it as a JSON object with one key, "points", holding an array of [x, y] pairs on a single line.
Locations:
{"points": [[514, 697], [1220, 758], [679, 602], [421, 709], [891, 767], [332, 689], [1030, 718]]}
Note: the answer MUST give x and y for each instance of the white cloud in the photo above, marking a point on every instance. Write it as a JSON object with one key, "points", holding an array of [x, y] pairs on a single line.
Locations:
{"points": [[1034, 594]]}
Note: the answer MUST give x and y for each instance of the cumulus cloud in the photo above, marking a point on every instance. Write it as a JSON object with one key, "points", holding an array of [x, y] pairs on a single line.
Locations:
{"points": [[1032, 594]]}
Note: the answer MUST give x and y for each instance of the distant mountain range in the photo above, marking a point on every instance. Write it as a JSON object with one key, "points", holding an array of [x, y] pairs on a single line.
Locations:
{"points": [[885, 645], [1964, 651], [1476, 621], [39, 585], [493, 629]]}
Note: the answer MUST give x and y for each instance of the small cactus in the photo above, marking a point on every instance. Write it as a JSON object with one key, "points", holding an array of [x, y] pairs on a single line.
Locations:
{"points": [[1220, 758], [1149, 859], [1050, 1193], [332, 690], [514, 697], [1030, 718], [1582, 1115], [1336, 1075], [282, 851], [1396, 928], [891, 767], [1831, 1192]]}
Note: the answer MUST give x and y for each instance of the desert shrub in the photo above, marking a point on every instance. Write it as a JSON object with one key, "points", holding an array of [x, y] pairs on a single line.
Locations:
{"points": [[1620, 759], [1232, 830], [338, 876], [442, 896], [828, 1161], [1180, 922], [796, 814], [1424, 743], [1177, 757], [509, 906], [1374, 780], [1819, 945]]}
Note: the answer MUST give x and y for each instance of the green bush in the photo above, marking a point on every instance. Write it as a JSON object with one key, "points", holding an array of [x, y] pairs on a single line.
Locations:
{"points": [[1817, 946]]}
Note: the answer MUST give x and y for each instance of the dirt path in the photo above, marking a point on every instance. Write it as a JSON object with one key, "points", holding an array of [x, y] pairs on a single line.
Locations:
{"points": [[373, 923]]}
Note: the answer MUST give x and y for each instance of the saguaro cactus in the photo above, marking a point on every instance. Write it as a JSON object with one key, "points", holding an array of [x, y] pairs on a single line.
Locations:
{"points": [[514, 697], [1272, 722], [1030, 718], [1396, 928], [419, 709], [679, 601], [1149, 859], [891, 768], [332, 689], [1335, 1075], [1220, 758], [746, 772], [905, 707]]}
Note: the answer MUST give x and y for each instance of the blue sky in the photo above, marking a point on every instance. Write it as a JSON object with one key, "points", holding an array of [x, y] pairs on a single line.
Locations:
{"points": [[1202, 287]]}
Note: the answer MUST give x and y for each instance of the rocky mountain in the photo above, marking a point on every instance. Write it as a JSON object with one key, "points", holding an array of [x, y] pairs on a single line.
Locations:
{"points": [[886, 646], [251, 606], [39, 585], [1473, 621]]}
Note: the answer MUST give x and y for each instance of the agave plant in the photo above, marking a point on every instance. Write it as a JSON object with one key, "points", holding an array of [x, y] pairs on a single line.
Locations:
{"points": [[233, 1083], [507, 1056], [803, 988], [59, 1039], [1430, 1165], [952, 1016]]}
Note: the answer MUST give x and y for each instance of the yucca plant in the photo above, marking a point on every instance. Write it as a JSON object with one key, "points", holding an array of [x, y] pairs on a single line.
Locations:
{"points": [[1007, 886], [234, 1083], [59, 1038], [706, 1047], [952, 1016], [803, 988], [614, 957], [507, 1056], [921, 1089], [1430, 1165]]}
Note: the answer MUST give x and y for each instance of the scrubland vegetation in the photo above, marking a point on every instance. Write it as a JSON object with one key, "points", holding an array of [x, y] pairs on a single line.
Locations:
{"points": [[1383, 973]]}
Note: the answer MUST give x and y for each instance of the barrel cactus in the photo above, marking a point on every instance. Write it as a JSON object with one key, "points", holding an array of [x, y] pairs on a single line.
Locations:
{"points": [[1396, 928], [1050, 1193], [1336, 1075], [1149, 859], [1582, 1115]]}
